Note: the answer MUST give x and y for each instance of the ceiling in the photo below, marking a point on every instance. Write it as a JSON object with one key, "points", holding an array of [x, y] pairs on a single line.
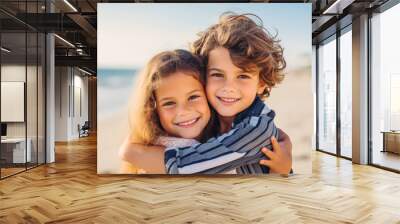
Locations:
{"points": [[76, 22]]}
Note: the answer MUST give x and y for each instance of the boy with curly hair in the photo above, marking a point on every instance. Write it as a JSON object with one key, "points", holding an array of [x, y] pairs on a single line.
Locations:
{"points": [[243, 63]]}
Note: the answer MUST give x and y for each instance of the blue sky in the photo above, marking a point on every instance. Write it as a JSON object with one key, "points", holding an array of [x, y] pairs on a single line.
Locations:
{"points": [[130, 34]]}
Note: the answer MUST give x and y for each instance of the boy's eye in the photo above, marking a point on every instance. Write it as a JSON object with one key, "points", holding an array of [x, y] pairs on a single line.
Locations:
{"points": [[217, 75], [168, 104], [193, 97], [244, 76]]}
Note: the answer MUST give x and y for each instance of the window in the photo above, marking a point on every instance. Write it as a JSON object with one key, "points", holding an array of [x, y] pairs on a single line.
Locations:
{"points": [[394, 102], [327, 96], [345, 93], [385, 89]]}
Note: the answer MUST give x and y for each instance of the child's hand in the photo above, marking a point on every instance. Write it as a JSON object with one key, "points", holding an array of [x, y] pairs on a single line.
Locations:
{"points": [[280, 161]]}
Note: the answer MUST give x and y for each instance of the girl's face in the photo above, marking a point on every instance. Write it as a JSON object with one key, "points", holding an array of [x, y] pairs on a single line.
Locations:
{"points": [[182, 105], [229, 89]]}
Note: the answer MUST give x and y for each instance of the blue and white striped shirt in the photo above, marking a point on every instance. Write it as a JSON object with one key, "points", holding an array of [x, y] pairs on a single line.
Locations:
{"points": [[238, 149]]}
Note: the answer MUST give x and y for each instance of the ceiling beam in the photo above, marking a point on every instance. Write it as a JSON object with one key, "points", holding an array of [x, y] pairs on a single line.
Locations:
{"points": [[82, 61], [86, 26]]}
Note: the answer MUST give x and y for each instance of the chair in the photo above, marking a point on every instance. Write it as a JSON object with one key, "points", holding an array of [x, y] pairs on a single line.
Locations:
{"points": [[84, 130]]}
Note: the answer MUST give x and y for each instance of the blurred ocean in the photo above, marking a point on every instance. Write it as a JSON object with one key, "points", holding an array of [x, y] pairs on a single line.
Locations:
{"points": [[114, 89]]}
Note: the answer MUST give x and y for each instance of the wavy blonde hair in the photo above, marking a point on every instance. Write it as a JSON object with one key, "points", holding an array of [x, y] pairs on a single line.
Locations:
{"points": [[251, 47], [143, 118]]}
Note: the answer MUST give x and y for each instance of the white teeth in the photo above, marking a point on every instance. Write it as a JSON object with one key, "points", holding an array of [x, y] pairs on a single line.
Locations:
{"points": [[229, 100], [186, 123]]}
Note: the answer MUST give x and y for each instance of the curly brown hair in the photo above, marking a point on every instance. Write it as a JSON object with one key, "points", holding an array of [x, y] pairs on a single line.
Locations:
{"points": [[250, 45]]}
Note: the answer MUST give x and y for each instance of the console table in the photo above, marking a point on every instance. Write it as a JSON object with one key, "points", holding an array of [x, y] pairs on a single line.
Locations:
{"points": [[391, 141], [13, 150]]}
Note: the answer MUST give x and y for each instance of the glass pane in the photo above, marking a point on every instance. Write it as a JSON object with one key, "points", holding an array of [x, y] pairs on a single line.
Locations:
{"points": [[41, 98], [13, 87], [22, 88], [31, 101], [386, 89], [327, 97], [345, 94]]}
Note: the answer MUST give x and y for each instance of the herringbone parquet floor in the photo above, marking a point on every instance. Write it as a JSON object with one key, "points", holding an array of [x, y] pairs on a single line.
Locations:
{"points": [[70, 191]]}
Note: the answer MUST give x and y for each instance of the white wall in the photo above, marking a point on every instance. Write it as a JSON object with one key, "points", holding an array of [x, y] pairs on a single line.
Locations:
{"points": [[12, 73], [80, 102], [62, 81], [33, 127], [71, 93]]}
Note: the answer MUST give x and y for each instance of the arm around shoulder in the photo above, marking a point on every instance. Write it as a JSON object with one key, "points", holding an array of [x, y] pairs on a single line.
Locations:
{"points": [[146, 157]]}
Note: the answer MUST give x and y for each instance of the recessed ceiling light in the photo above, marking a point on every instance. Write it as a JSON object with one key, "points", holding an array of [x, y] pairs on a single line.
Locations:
{"points": [[338, 6], [70, 5], [84, 71], [64, 40], [5, 50]]}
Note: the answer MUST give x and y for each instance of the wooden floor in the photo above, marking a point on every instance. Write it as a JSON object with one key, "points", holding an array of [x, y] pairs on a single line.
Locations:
{"points": [[10, 171], [70, 191]]}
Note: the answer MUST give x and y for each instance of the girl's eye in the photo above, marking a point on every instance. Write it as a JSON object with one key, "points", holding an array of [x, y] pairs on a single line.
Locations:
{"points": [[168, 104], [193, 97], [244, 76]]}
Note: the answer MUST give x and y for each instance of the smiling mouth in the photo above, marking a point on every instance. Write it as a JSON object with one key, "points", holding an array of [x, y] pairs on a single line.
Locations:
{"points": [[228, 100], [187, 124]]}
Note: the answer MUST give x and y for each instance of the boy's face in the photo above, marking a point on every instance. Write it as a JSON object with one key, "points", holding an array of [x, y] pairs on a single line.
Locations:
{"points": [[229, 89], [182, 105]]}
